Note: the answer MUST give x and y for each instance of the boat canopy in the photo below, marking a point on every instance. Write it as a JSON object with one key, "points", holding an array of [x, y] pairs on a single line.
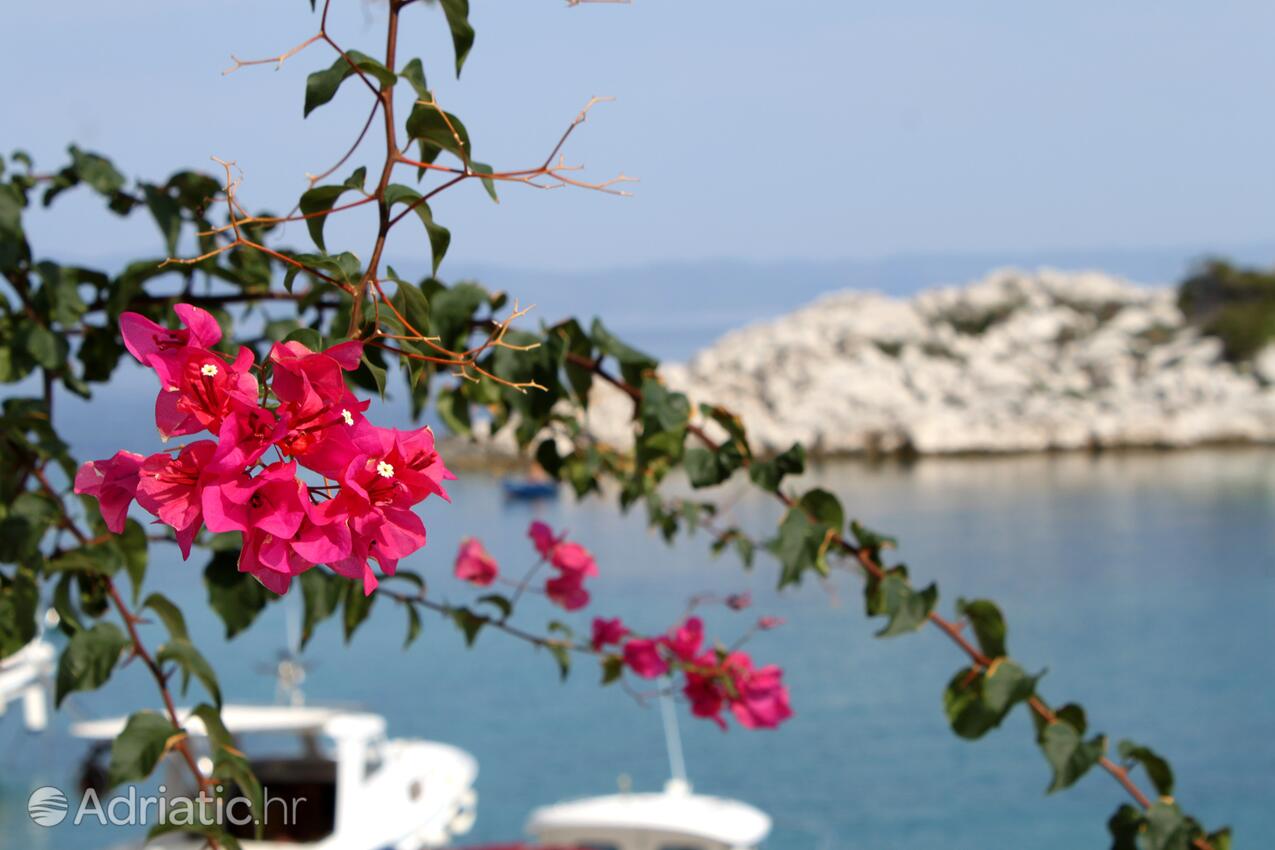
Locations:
{"points": [[715, 820], [248, 719]]}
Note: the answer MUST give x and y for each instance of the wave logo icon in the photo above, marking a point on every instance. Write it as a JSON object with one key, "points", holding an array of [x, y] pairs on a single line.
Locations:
{"points": [[47, 806]]}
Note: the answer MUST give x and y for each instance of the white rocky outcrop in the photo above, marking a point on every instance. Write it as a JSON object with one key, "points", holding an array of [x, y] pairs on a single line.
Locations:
{"points": [[1015, 362]]}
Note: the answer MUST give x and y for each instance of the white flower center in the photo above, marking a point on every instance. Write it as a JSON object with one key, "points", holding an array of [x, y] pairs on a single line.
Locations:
{"points": [[348, 417], [385, 470], [208, 370]]}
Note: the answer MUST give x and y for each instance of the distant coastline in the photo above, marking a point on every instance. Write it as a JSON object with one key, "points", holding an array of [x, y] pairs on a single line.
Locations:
{"points": [[1017, 362]]}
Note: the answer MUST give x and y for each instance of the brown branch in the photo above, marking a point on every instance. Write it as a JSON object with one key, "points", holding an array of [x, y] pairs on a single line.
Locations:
{"points": [[181, 745]]}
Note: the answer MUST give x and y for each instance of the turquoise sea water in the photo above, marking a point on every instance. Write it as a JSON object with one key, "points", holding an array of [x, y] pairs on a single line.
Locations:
{"points": [[1145, 583]]}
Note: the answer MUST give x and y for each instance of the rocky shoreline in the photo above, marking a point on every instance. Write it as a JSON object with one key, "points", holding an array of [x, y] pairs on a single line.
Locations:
{"points": [[1015, 362]]}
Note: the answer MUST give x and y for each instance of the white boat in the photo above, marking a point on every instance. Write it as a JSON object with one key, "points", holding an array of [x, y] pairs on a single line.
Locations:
{"points": [[674, 819], [354, 788], [24, 676]]}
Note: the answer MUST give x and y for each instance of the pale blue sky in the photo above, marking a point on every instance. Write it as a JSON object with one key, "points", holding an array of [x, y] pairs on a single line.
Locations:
{"points": [[762, 131]]}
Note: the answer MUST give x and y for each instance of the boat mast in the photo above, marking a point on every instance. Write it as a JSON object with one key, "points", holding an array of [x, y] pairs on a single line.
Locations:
{"points": [[673, 741]]}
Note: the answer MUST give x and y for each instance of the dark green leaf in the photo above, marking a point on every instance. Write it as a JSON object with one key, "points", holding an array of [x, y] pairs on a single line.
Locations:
{"points": [[170, 614], [1068, 753], [457, 12], [437, 131], [768, 474], [88, 659], [321, 593], [321, 86], [414, 73], [469, 623], [1158, 770], [192, 662], [893, 596], [358, 605], [439, 237], [977, 703], [988, 624], [19, 599], [139, 747], [236, 597]]}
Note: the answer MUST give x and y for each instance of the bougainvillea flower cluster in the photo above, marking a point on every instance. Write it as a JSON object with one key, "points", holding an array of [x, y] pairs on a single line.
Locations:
{"points": [[714, 679], [293, 466], [573, 564]]}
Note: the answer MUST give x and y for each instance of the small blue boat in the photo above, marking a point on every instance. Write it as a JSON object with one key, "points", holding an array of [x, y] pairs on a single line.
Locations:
{"points": [[527, 489]]}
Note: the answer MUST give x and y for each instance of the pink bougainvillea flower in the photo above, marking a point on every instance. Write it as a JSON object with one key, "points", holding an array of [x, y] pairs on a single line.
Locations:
{"points": [[542, 538], [271, 559], [739, 601], [324, 536], [171, 488], [607, 632], [474, 564], [642, 656], [685, 641], [204, 391], [567, 591], [273, 502], [765, 624], [161, 348], [760, 699], [113, 482], [244, 437], [305, 378], [573, 558], [705, 694]]}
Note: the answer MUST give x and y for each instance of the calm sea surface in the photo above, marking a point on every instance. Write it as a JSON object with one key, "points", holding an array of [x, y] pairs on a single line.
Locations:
{"points": [[1144, 583]]}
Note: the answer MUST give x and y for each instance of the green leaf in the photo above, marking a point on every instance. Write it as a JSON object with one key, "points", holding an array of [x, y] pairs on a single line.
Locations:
{"points": [[457, 13], [170, 614], [1124, 827], [701, 468], [317, 203], [871, 540], [97, 171], [437, 131], [976, 703], [893, 596], [414, 73], [499, 602], [1158, 770], [139, 747], [358, 605], [634, 364], [1065, 749], [612, 669], [45, 347], [469, 623], [236, 597], [321, 86], [130, 548], [192, 662], [321, 594], [988, 624], [19, 600], [1167, 828], [88, 659], [167, 214], [439, 237], [768, 474], [413, 625]]}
